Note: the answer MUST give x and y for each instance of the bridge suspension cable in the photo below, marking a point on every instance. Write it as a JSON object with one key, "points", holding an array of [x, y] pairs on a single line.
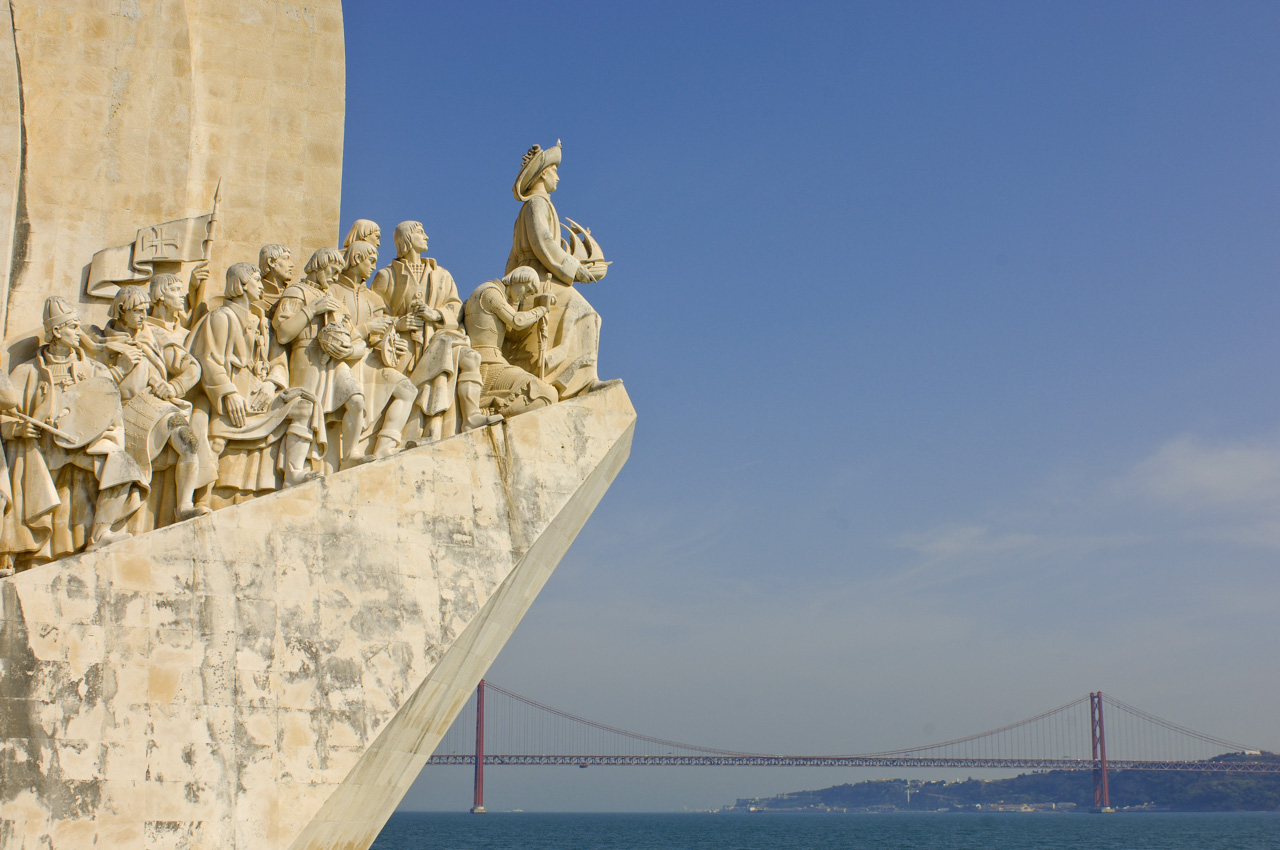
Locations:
{"points": [[605, 729]]}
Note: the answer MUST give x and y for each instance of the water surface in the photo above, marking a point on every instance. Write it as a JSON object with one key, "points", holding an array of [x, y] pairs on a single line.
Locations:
{"points": [[1146, 831]]}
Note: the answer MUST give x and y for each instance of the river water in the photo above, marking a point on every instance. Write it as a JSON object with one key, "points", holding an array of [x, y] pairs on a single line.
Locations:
{"points": [[1123, 831]]}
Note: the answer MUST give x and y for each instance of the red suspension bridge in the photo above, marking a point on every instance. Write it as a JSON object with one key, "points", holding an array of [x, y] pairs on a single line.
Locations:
{"points": [[510, 729]]}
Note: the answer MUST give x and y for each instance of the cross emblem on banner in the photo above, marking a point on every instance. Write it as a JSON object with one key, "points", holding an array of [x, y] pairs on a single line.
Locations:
{"points": [[154, 241]]}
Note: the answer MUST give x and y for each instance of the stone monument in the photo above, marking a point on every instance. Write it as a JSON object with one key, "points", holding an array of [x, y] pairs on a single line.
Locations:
{"points": [[260, 537], [119, 119]]}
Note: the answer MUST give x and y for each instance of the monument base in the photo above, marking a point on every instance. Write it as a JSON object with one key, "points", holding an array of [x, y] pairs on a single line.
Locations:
{"points": [[276, 674]]}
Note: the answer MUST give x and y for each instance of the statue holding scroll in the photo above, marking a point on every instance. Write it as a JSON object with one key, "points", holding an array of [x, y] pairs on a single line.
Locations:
{"points": [[256, 423]]}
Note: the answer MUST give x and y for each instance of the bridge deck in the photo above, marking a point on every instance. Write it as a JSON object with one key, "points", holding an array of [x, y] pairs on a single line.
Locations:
{"points": [[855, 761]]}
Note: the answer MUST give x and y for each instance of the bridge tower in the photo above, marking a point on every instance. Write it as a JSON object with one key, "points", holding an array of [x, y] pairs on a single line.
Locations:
{"points": [[477, 807], [1101, 791]]}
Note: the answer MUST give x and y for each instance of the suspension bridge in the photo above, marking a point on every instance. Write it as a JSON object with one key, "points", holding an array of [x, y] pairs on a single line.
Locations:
{"points": [[510, 729]]}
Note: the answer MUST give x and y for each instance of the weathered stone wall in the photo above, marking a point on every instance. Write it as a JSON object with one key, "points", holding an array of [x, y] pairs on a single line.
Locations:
{"points": [[276, 674], [10, 151], [132, 110]]}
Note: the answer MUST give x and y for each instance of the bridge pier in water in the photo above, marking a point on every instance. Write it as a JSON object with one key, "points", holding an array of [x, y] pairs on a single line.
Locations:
{"points": [[1101, 790], [477, 801]]}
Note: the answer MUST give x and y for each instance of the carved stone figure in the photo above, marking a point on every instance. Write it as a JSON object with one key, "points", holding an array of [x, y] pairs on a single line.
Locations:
{"points": [[565, 354], [491, 312], [270, 367], [73, 483], [155, 372], [8, 401], [275, 264], [160, 115], [168, 314], [424, 299], [249, 408], [376, 352], [199, 301], [319, 334], [363, 230]]}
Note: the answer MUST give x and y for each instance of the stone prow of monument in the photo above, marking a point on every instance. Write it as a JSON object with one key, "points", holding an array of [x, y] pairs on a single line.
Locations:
{"points": [[276, 674], [273, 674]]}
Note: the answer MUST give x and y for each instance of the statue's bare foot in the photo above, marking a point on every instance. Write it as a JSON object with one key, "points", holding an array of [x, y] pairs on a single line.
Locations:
{"points": [[191, 511], [6, 572]]}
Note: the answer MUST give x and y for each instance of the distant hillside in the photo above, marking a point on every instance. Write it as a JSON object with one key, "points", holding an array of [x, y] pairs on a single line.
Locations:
{"points": [[1182, 792]]}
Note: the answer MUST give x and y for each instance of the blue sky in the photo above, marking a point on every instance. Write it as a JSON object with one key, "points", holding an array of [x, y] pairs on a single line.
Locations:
{"points": [[950, 330]]}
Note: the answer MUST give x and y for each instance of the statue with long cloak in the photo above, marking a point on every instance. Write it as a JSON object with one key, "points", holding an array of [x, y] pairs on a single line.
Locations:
{"points": [[563, 349]]}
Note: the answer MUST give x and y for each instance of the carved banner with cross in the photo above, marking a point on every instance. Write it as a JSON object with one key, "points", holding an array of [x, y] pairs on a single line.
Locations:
{"points": [[181, 241]]}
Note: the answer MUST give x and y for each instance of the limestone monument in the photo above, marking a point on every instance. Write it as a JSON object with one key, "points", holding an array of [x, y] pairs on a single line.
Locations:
{"points": [[120, 119], [260, 537], [565, 349]]}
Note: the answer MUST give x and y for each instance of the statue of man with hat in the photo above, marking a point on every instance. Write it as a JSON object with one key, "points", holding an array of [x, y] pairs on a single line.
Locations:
{"points": [[563, 349], [74, 485]]}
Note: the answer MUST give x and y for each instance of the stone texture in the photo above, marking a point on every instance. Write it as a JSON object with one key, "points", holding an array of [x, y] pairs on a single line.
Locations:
{"points": [[275, 675], [10, 148], [132, 110]]}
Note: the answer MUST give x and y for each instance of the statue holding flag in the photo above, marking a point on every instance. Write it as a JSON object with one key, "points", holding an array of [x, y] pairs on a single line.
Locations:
{"points": [[157, 249]]}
